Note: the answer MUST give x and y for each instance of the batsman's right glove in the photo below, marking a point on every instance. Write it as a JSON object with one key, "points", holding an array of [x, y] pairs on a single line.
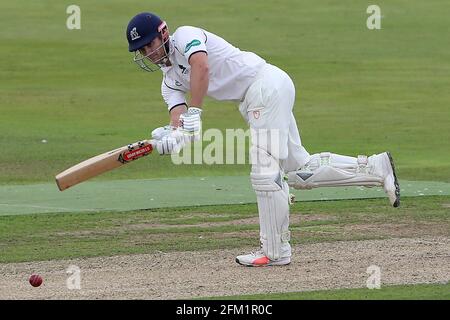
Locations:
{"points": [[168, 139]]}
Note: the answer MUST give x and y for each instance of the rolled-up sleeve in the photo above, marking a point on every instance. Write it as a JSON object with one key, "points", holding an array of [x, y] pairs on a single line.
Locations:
{"points": [[190, 40], [172, 96]]}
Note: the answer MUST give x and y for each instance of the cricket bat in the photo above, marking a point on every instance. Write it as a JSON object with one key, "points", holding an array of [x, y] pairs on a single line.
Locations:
{"points": [[102, 163]]}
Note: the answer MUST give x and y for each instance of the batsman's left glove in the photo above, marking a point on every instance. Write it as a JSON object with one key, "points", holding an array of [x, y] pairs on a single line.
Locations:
{"points": [[191, 123]]}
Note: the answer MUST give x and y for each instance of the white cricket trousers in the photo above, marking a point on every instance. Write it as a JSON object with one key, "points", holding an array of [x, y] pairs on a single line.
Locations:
{"points": [[268, 104]]}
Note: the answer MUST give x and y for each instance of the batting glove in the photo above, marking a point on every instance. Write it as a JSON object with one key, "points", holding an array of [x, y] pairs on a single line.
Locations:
{"points": [[168, 140], [191, 123], [161, 132]]}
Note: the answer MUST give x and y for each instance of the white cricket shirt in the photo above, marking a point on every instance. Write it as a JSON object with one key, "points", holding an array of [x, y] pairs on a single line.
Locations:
{"points": [[231, 71]]}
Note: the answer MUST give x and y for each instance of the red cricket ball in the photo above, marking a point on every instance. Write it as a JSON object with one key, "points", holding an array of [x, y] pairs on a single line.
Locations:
{"points": [[35, 280]]}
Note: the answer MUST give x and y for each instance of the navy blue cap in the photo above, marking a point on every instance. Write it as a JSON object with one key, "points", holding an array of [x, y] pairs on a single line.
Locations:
{"points": [[142, 29]]}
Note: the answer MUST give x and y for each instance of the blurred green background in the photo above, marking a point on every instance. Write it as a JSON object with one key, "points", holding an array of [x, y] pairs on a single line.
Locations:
{"points": [[359, 91]]}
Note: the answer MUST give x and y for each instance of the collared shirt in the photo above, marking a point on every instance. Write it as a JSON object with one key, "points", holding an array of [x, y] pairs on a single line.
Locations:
{"points": [[231, 71]]}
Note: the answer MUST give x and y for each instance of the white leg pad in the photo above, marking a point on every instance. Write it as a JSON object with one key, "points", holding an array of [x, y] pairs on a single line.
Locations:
{"points": [[272, 194], [331, 170]]}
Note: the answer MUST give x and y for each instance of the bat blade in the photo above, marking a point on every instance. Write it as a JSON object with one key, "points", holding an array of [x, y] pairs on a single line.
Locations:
{"points": [[102, 163]]}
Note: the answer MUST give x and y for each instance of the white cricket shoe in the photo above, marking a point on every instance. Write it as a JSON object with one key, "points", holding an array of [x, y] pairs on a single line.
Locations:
{"points": [[384, 164], [259, 259]]}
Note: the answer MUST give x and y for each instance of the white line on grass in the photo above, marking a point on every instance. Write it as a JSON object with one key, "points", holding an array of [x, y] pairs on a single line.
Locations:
{"points": [[41, 207]]}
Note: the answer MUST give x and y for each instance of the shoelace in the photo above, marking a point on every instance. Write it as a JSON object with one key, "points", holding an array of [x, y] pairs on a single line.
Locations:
{"points": [[257, 253]]}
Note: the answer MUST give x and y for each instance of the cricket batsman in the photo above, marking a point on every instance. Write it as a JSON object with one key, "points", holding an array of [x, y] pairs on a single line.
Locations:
{"points": [[204, 64]]}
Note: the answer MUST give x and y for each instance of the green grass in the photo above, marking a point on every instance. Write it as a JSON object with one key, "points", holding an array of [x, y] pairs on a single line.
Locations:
{"points": [[401, 292], [358, 91], [72, 235]]}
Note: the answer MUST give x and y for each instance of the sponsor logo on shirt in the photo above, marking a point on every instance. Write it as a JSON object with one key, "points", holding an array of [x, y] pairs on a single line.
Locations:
{"points": [[191, 44]]}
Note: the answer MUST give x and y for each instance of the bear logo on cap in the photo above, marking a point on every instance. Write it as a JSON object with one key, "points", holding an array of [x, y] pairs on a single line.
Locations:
{"points": [[134, 34]]}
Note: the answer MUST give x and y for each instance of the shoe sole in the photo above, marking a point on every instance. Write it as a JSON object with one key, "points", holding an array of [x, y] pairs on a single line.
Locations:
{"points": [[397, 185], [262, 265]]}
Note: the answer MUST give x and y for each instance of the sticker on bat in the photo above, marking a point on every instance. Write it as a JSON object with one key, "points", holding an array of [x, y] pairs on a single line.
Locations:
{"points": [[135, 154]]}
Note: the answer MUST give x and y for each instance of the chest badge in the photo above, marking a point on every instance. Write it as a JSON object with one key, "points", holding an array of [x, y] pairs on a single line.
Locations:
{"points": [[185, 70]]}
